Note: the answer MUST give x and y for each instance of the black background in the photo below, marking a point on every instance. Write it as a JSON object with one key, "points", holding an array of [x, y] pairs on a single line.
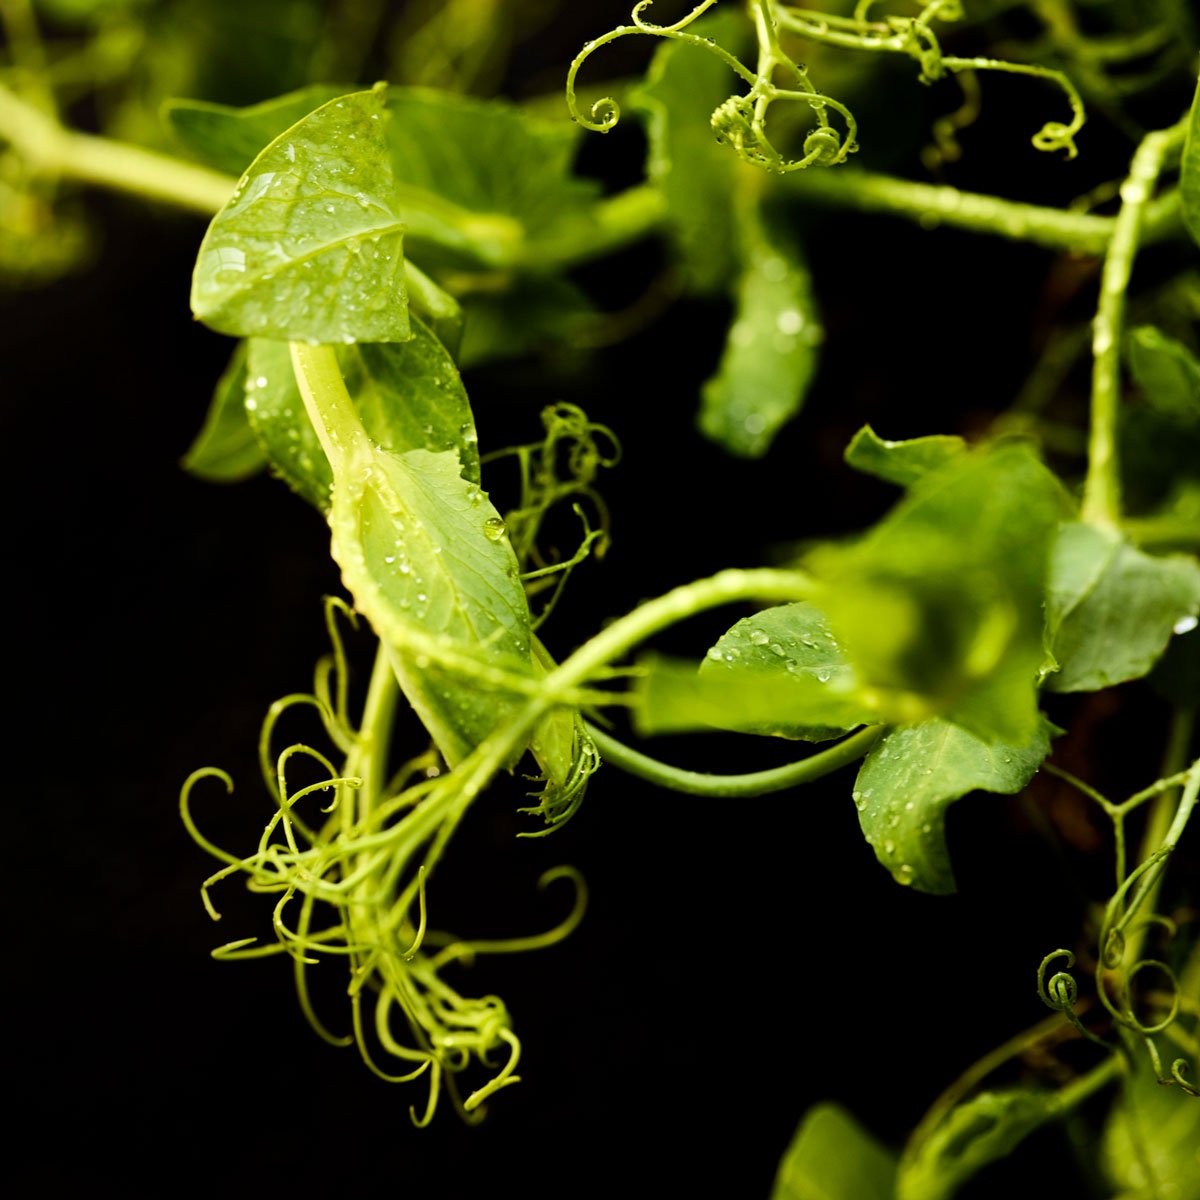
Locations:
{"points": [[739, 961]]}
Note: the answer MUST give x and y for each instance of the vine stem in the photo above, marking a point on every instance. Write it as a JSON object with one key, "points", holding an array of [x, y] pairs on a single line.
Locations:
{"points": [[755, 783], [933, 205], [614, 222], [1102, 487], [52, 150]]}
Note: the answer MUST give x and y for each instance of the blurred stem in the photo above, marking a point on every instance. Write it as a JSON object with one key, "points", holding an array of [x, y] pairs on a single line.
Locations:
{"points": [[27, 52], [52, 150], [1102, 487]]}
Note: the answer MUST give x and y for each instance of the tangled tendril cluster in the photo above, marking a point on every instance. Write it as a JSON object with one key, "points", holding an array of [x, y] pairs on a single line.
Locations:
{"points": [[350, 883]]}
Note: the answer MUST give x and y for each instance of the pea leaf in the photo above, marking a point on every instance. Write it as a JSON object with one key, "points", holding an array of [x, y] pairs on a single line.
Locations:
{"points": [[942, 600], [832, 1158], [1166, 371], [1111, 609], [985, 1128], [1189, 174], [696, 176], [1151, 1144], [793, 641], [521, 189], [310, 247], [537, 312], [418, 550], [408, 395], [770, 355], [229, 138], [913, 774], [671, 697], [225, 450], [904, 463], [276, 414]]}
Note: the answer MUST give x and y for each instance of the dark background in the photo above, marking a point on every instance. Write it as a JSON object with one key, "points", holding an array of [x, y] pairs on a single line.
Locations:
{"points": [[739, 961]]}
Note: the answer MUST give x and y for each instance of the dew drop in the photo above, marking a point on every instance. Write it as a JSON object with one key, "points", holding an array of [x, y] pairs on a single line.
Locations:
{"points": [[493, 529]]}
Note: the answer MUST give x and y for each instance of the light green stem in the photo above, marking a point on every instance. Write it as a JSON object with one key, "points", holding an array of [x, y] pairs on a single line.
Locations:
{"points": [[755, 783], [50, 149], [1102, 488], [933, 205]]}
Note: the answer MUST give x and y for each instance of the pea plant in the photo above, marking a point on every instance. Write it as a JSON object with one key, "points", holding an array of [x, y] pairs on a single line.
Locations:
{"points": [[369, 244]]}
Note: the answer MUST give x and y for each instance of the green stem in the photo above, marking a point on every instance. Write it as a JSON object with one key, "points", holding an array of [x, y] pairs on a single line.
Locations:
{"points": [[1102, 487], [933, 205], [50, 149], [755, 783]]}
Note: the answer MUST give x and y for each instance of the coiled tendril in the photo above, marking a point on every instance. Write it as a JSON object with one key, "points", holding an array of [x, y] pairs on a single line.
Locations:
{"points": [[350, 882]]}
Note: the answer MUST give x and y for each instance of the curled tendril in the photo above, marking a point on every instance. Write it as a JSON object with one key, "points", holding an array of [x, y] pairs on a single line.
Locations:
{"points": [[1060, 993]]}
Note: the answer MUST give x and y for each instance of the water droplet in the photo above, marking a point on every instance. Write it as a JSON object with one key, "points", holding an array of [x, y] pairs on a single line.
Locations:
{"points": [[1185, 624], [493, 529], [889, 847], [758, 638], [903, 874]]}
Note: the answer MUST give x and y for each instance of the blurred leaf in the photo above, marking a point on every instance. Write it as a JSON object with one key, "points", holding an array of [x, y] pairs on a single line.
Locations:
{"points": [[1166, 371], [408, 396], [1111, 609], [789, 640], [942, 600], [229, 138], [1151, 1146], [225, 450], [1189, 172], [489, 158], [696, 176], [904, 463], [832, 1158], [535, 313], [913, 774], [671, 697], [985, 1128], [770, 355]]}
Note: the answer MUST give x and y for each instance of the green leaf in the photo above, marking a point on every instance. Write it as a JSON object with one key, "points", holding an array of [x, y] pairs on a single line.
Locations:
{"points": [[501, 176], [792, 642], [942, 601], [1189, 173], [672, 697], [419, 552], [770, 355], [276, 414], [535, 313], [984, 1129], [229, 138], [1151, 1144], [225, 450], [904, 463], [311, 246], [1166, 371], [408, 395], [1111, 609], [913, 774], [696, 176], [832, 1158]]}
